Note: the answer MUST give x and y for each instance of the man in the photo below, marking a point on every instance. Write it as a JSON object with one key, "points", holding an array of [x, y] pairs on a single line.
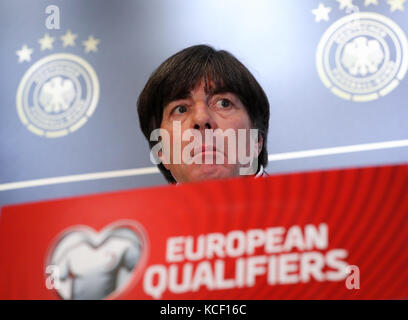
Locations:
{"points": [[199, 90]]}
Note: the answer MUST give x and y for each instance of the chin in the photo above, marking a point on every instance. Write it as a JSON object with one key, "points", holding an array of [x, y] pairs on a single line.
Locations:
{"points": [[207, 172]]}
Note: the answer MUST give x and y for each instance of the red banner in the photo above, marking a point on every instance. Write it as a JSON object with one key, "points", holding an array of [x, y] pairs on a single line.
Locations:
{"points": [[321, 235]]}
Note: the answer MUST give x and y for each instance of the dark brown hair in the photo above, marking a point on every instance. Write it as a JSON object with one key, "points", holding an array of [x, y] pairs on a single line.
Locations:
{"points": [[180, 73]]}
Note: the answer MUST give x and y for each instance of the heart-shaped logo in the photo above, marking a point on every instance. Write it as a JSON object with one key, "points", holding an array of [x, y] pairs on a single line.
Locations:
{"points": [[84, 264]]}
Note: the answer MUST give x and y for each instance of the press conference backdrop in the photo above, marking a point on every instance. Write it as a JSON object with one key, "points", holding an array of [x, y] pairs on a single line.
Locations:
{"points": [[334, 73]]}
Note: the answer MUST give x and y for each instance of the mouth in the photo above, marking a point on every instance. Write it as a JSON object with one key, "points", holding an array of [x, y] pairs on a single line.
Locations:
{"points": [[207, 153]]}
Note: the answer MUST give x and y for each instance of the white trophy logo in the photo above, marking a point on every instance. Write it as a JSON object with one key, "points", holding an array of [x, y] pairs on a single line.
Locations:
{"points": [[362, 56], [59, 92], [87, 265]]}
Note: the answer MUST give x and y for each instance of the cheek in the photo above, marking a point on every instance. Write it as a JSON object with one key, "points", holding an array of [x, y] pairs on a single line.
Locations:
{"points": [[239, 121], [172, 143], [247, 144], [166, 140]]}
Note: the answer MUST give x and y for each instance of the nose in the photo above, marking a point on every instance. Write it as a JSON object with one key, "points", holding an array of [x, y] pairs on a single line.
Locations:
{"points": [[206, 126], [202, 118]]}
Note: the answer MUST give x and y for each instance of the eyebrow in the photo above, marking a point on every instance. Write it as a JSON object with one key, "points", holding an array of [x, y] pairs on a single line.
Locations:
{"points": [[187, 95], [180, 96], [184, 95]]}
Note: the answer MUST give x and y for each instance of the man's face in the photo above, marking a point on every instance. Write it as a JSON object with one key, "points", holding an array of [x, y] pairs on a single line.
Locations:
{"points": [[201, 111]]}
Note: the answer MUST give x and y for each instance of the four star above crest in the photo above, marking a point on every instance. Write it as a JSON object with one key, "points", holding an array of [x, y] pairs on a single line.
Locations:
{"points": [[91, 44], [396, 5], [24, 54], [46, 42], [321, 12], [68, 39]]}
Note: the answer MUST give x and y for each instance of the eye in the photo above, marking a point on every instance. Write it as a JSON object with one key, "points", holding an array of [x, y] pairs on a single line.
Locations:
{"points": [[223, 103], [179, 109]]}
